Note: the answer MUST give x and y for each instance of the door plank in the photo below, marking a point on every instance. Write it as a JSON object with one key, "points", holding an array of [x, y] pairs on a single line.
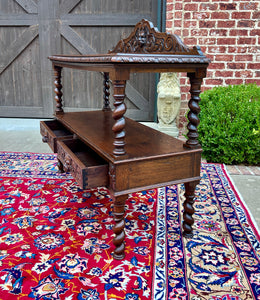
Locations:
{"points": [[49, 42], [76, 40], [116, 19], [28, 5], [18, 19], [17, 46], [136, 97], [68, 5]]}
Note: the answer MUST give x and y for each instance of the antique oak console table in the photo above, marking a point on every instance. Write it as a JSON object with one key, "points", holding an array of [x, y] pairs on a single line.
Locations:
{"points": [[104, 148]]}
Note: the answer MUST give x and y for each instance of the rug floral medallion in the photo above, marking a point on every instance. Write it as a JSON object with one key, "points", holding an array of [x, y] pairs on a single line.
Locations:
{"points": [[56, 239]]}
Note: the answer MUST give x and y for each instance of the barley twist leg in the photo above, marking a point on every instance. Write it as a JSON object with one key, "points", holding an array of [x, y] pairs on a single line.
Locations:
{"points": [[119, 227], [188, 208]]}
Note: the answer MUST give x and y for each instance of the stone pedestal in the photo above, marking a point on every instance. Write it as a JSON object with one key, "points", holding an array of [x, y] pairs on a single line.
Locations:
{"points": [[168, 103]]}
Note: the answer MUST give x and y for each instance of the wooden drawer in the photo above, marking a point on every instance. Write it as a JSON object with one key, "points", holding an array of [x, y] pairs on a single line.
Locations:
{"points": [[88, 169], [52, 131]]}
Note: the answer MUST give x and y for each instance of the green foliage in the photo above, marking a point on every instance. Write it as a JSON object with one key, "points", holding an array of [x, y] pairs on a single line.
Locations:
{"points": [[229, 129]]}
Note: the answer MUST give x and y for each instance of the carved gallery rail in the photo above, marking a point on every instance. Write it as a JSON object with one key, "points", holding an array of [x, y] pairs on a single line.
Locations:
{"points": [[103, 148]]}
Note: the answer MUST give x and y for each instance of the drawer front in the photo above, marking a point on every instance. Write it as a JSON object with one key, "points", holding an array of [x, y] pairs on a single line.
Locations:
{"points": [[82, 162], [52, 131]]}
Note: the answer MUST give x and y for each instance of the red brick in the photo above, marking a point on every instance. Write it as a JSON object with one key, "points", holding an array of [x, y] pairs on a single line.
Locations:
{"points": [[185, 88], [187, 16], [203, 49], [209, 74], [177, 23], [235, 49], [248, 5], [183, 96], [241, 15], [208, 6], [168, 24], [226, 24], [255, 170], [233, 81], [254, 49], [255, 32], [214, 81], [256, 15], [244, 58], [236, 66], [183, 79], [220, 15], [178, 15], [185, 32], [191, 7], [245, 23], [201, 15], [178, 6], [224, 57], [244, 74], [237, 32], [217, 49], [211, 57], [227, 6], [207, 41], [218, 32], [190, 24], [199, 32], [207, 24], [244, 170], [226, 41], [169, 7], [246, 41], [233, 170], [178, 32], [190, 41], [217, 66], [169, 16], [224, 73], [254, 66]]}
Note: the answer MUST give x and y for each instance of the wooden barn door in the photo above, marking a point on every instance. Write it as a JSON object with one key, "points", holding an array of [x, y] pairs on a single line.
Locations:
{"points": [[31, 30]]}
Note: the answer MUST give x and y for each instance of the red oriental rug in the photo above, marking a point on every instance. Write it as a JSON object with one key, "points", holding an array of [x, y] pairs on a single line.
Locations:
{"points": [[56, 239]]}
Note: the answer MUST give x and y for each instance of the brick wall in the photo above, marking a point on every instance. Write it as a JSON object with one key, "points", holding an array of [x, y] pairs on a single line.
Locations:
{"points": [[228, 32]]}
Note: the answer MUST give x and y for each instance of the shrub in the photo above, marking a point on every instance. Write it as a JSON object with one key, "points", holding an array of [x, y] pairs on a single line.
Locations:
{"points": [[229, 129]]}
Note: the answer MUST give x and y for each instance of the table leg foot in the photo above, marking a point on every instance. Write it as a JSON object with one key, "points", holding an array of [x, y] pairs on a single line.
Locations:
{"points": [[60, 167]]}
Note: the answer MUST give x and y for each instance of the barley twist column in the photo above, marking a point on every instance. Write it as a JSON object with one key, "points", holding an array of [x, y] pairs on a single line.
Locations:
{"points": [[57, 90], [106, 106], [118, 115], [195, 81], [119, 227]]}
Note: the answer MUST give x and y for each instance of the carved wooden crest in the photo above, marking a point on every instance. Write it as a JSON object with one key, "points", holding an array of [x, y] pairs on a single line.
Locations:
{"points": [[146, 38]]}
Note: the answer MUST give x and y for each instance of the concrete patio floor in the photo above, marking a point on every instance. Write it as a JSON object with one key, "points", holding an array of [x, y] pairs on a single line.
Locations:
{"points": [[23, 135]]}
